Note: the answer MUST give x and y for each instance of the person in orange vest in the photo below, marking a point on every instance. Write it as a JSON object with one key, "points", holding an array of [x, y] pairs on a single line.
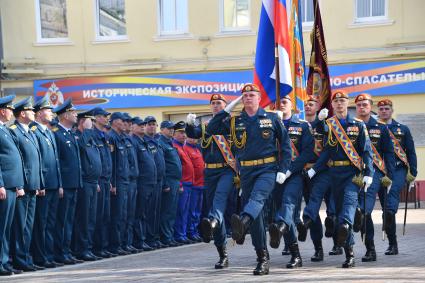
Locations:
{"points": [[195, 199]]}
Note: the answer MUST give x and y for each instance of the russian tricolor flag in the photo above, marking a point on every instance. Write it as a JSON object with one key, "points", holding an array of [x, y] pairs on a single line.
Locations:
{"points": [[273, 29]]}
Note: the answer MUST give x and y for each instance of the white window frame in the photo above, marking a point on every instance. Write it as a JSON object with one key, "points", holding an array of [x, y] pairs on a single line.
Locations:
{"points": [[308, 26], [236, 30], [47, 41], [184, 33], [370, 19], [105, 38]]}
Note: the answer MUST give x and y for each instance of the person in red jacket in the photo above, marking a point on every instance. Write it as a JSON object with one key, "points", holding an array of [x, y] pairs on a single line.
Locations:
{"points": [[180, 225], [195, 200]]}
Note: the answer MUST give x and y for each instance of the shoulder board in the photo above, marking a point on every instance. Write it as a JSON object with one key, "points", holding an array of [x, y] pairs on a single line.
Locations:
{"points": [[381, 122], [13, 127], [358, 120], [34, 128], [54, 129], [302, 120]]}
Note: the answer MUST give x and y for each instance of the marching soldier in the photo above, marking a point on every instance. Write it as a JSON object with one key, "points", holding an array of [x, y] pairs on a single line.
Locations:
{"points": [[290, 193], [180, 225], [255, 134], [383, 163], [119, 182], [317, 190], [100, 239], [70, 170], [220, 169], [42, 248], [91, 165], [154, 201], [11, 183], [33, 184], [348, 155], [171, 184], [405, 168]]}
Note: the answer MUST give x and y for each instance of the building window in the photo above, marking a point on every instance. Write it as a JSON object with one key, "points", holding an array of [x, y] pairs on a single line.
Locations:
{"points": [[371, 10], [307, 11], [110, 20], [173, 16], [51, 20], [235, 15]]}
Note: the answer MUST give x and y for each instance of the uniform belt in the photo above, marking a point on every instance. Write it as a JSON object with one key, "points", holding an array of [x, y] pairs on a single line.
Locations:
{"points": [[308, 165], [337, 163], [215, 165], [258, 161]]}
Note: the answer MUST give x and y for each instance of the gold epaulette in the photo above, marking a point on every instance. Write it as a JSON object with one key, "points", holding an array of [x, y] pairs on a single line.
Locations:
{"points": [[13, 127], [34, 128], [54, 129], [358, 120], [381, 122]]}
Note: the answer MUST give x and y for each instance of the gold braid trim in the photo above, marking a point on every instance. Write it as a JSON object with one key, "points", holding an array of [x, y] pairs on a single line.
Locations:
{"points": [[331, 141], [205, 143], [238, 143]]}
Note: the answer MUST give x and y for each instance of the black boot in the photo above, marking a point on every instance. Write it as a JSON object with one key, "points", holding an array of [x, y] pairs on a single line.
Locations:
{"points": [[240, 225], [336, 250], [349, 258], [358, 220], [392, 248], [329, 226], [285, 250], [303, 228], [262, 263], [296, 260], [342, 235], [318, 251], [207, 228], [370, 252], [276, 232], [223, 262]]}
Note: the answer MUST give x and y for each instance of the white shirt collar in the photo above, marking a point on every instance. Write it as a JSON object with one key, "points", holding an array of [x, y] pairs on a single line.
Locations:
{"points": [[44, 127], [67, 129], [25, 127]]}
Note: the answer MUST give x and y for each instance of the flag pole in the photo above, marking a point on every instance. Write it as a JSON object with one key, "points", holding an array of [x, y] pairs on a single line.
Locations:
{"points": [[277, 74]]}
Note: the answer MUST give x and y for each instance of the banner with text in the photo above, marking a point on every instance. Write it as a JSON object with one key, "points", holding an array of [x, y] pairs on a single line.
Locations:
{"points": [[378, 79]]}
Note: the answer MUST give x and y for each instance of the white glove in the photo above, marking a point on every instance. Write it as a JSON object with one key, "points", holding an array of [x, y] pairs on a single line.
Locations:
{"points": [[190, 119], [280, 177], [323, 114], [232, 104], [280, 114], [367, 181], [311, 173], [288, 174]]}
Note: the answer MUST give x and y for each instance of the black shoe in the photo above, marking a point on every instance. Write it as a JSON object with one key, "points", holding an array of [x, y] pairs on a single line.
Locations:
{"points": [[147, 248], [285, 250], [86, 257], [240, 225], [76, 260], [95, 256], [58, 264], [48, 265], [175, 243], [349, 258], [342, 235], [303, 227], [335, 250], [358, 220], [9, 267], [68, 261], [329, 226], [318, 252], [370, 252], [128, 250], [111, 253], [223, 262], [120, 251], [102, 254], [25, 268], [193, 239], [207, 228], [392, 249], [296, 260], [262, 262], [5, 272], [276, 232], [38, 267]]}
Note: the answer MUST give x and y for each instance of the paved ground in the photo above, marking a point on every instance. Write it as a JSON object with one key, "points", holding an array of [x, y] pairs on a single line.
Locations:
{"points": [[194, 263]]}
